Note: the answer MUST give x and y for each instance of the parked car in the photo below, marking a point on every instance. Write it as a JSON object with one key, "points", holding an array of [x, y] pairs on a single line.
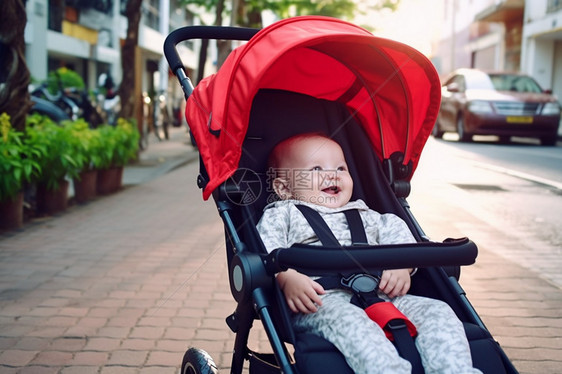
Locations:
{"points": [[475, 102]]}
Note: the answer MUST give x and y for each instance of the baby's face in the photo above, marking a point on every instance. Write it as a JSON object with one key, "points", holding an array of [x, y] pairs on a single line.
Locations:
{"points": [[316, 172]]}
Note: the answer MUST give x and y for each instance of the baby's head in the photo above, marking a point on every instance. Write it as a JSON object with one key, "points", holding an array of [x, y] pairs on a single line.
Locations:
{"points": [[311, 168]]}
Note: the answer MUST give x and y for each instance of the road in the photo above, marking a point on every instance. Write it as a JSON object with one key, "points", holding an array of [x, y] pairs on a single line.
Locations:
{"points": [[524, 157], [513, 188]]}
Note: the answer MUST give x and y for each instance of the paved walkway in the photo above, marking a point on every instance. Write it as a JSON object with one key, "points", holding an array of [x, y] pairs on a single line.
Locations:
{"points": [[125, 283]]}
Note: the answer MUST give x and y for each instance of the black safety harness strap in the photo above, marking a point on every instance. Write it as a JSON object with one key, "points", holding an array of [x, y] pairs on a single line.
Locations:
{"points": [[319, 226], [365, 286], [358, 235]]}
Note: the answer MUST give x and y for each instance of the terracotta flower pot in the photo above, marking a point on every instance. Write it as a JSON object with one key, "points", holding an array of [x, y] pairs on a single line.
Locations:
{"points": [[85, 186], [11, 213], [52, 201], [109, 180]]}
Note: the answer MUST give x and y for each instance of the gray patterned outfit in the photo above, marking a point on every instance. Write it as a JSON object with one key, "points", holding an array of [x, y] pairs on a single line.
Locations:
{"points": [[441, 339]]}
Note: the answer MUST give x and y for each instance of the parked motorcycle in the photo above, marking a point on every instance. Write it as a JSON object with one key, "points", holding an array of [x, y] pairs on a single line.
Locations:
{"points": [[109, 105], [61, 100], [74, 102], [87, 108], [47, 108]]}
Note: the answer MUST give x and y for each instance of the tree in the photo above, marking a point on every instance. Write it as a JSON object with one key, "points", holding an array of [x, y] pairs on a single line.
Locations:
{"points": [[14, 74], [218, 6], [247, 13], [127, 93]]}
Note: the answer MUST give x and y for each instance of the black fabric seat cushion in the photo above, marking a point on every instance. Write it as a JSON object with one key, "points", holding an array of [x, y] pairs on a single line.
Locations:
{"points": [[315, 355]]}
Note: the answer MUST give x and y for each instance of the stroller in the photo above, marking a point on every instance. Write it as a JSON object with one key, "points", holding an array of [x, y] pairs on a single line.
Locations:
{"points": [[379, 100]]}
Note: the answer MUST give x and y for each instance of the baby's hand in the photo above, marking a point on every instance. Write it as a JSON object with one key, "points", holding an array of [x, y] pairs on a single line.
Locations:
{"points": [[395, 282], [300, 291]]}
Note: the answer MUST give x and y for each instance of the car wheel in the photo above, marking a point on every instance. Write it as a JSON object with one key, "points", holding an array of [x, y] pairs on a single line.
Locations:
{"points": [[463, 135], [549, 140], [197, 361], [437, 132]]}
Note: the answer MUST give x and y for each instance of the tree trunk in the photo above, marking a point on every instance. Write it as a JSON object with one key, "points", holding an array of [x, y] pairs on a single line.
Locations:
{"points": [[249, 15], [202, 60], [205, 44], [128, 63], [14, 74], [241, 17]]}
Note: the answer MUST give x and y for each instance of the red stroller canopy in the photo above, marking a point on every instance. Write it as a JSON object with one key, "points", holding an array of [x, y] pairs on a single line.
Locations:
{"points": [[391, 89]]}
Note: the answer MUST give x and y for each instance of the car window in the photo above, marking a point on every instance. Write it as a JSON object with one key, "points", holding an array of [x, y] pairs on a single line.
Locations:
{"points": [[517, 83], [459, 79], [449, 81], [479, 81]]}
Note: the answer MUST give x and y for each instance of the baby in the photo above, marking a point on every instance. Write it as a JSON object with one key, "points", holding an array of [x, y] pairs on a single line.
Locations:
{"points": [[310, 169]]}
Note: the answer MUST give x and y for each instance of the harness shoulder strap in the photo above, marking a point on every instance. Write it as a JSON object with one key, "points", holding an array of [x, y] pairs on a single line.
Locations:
{"points": [[356, 227], [326, 236], [319, 226]]}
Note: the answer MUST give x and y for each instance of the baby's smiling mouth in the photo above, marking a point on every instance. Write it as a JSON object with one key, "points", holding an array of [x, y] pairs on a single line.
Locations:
{"points": [[332, 190]]}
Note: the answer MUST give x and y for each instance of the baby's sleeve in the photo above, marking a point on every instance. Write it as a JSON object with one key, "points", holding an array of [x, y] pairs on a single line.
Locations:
{"points": [[273, 228]]}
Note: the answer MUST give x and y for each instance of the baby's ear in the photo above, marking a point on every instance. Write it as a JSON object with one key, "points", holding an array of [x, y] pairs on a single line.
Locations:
{"points": [[281, 188]]}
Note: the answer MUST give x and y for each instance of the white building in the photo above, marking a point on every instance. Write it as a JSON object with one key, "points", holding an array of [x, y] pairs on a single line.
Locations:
{"points": [[86, 36], [482, 34], [541, 45], [511, 35]]}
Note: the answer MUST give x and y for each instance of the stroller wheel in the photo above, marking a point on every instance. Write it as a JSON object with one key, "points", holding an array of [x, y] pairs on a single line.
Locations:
{"points": [[197, 361]]}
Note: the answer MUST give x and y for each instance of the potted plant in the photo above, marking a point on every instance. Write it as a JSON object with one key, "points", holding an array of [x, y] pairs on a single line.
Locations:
{"points": [[64, 78], [17, 166], [127, 145], [120, 145], [59, 161], [87, 149]]}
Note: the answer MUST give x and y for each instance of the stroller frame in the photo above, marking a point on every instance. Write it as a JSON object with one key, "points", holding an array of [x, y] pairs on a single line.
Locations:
{"points": [[252, 270]]}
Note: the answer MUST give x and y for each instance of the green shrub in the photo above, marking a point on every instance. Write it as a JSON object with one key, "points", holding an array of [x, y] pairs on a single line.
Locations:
{"points": [[86, 144], [120, 143], [128, 141], [17, 160], [59, 158]]}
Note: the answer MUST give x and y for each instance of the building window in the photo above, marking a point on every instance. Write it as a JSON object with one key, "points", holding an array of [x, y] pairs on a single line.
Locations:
{"points": [[104, 6], [56, 15], [151, 13], [553, 6]]}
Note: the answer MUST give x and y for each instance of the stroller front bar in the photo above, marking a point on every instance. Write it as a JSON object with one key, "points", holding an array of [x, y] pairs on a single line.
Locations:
{"points": [[251, 271], [313, 260]]}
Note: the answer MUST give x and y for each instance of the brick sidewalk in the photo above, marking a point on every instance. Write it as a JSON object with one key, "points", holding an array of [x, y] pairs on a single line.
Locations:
{"points": [[121, 285], [522, 310], [126, 283]]}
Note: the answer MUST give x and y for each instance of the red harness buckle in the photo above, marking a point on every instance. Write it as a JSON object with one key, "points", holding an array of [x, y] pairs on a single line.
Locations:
{"points": [[384, 312]]}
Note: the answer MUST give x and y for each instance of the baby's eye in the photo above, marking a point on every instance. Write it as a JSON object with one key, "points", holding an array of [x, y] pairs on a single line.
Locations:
{"points": [[316, 168], [342, 168]]}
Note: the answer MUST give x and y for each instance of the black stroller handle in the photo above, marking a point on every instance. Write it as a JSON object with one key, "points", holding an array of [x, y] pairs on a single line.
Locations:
{"points": [[313, 260], [198, 32]]}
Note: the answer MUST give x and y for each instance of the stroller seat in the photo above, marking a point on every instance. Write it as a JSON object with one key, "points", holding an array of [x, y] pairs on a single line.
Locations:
{"points": [[314, 354], [379, 100]]}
